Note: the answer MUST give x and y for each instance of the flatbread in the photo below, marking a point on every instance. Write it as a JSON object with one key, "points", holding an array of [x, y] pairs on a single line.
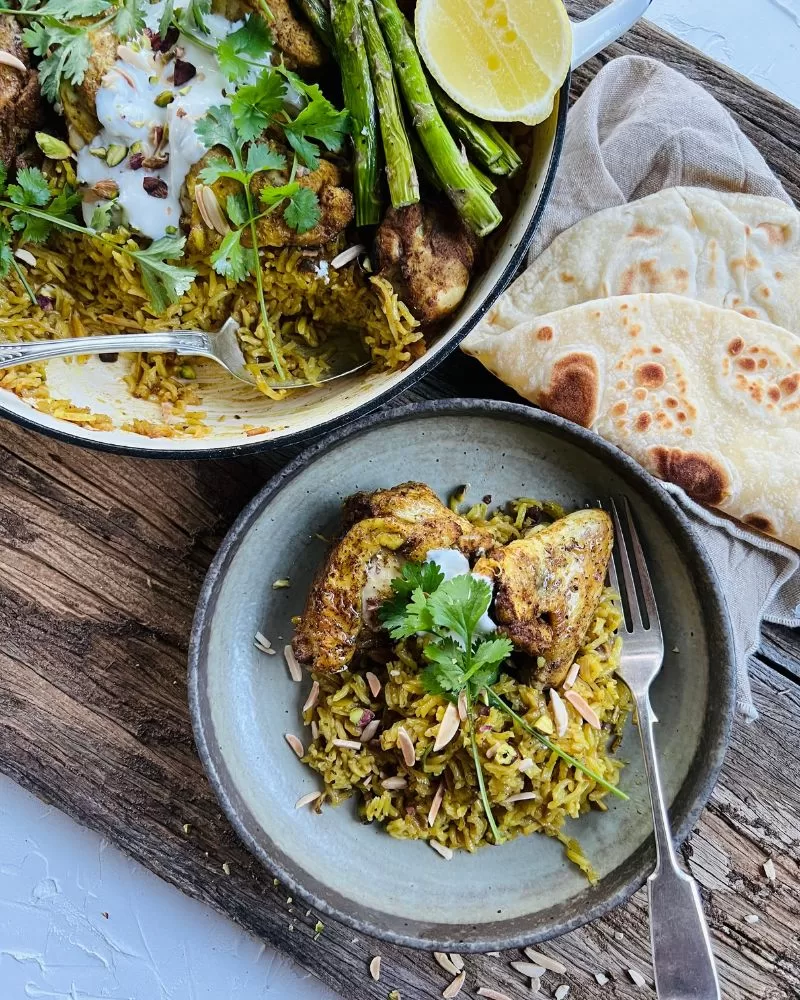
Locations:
{"points": [[701, 396], [739, 251]]}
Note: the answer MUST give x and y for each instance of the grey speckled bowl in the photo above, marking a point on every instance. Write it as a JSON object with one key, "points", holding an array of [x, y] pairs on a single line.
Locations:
{"points": [[242, 702]]}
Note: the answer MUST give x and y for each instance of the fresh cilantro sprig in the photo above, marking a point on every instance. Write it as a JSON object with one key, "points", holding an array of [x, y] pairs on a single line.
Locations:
{"points": [[35, 210], [460, 660]]}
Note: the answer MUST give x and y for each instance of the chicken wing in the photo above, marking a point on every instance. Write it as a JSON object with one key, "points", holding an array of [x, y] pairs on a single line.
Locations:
{"points": [[548, 586], [79, 100], [383, 530], [19, 95], [427, 254]]}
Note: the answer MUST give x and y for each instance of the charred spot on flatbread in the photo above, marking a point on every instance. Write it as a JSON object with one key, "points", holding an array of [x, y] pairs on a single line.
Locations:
{"points": [[700, 474], [574, 389], [776, 234], [761, 522], [651, 375]]}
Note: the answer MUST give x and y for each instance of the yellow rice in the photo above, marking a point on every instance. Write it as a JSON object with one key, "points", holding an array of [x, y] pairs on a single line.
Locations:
{"points": [[96, 288], [561, 790]]}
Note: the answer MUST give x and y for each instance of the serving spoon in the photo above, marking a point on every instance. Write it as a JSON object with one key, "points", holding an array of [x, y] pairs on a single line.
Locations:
{"points": [[222, 347]]}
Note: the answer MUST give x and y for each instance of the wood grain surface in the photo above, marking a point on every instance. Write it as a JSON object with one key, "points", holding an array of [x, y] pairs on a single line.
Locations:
{"points": [[101, 560]]}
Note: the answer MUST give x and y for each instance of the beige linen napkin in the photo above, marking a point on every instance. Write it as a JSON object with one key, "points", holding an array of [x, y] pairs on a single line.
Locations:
{"points": [[638, 128]]}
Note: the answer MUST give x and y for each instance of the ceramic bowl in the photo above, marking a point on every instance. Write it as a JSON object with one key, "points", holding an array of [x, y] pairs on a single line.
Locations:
{"points": [[242, 702]]}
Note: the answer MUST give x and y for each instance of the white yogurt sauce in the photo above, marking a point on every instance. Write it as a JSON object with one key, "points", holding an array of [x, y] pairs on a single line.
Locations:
{"points": [[128, 113], [453, 563]]}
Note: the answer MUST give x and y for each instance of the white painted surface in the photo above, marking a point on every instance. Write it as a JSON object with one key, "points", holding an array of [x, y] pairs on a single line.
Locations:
{"points": [[57, 880]]}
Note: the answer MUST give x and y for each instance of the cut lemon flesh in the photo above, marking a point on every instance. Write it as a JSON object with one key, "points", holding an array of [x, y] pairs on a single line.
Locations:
{"points": [[502, 60]]}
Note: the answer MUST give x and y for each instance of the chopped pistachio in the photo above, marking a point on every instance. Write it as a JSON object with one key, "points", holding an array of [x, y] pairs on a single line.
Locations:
{"points": [[394, 995], [98, 151], [164, 98], [171, 230], [187, 371], [186, 828], [226, 868], [55, 149], [136, 147], [281, 584], [116, 154], [544, 724]]}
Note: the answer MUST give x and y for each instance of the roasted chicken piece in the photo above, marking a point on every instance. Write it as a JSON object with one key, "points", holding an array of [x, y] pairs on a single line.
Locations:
{"points": [[383, 529], [294, 37], [335, 202], [548, 586], [19, 94], [427, 254], [79, 101]]}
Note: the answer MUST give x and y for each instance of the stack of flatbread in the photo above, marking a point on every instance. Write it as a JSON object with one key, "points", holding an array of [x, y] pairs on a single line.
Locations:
{"points": [[671, 326]]}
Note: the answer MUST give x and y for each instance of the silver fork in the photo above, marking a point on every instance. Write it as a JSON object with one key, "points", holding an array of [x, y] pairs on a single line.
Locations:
{"points": [[682, 959], [223, 347]]}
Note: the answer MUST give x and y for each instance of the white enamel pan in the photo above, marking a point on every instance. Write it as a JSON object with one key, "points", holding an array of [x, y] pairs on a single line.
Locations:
{"points": [[242, 420]]}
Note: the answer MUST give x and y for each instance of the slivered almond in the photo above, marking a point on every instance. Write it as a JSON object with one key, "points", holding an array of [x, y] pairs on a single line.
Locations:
{"points": [[314, 729], [583, 708], [448, 727], [26, 257], [295, 670], [374, 683], [491, 751], [462, 706], [393, 784], [369, 730], [294, 743], [520, 797], [529, 969], [347, 255], [209, 209], [445, 852], [406, 747], [306, 800], [7, 59], [455, 987], [457, 960], [551, 964], [572, 676], [525, 765], [637, 977], [769, 869], [559, 710], [445, 963], [490, 994], [349, 744], [375, 968], [313, 697], [433, 812], [561, 992]]}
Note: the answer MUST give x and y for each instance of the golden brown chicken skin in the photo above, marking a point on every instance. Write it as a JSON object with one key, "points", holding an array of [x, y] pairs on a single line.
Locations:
{"points": [[383, 530], [548, 586], [79, 101], [335, 204], [294, 37], [19, 95], [428, 255]]}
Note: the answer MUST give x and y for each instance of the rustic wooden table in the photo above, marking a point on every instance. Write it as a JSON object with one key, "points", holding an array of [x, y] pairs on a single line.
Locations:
{"points": [[101, 562]]}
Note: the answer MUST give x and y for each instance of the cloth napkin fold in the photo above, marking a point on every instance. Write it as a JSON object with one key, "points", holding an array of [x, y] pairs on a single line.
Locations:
{"points": [[640, 127]]}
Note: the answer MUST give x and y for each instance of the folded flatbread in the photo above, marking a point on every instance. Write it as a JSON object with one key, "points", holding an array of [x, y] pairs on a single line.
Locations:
{"points": [[701, 396], [740, 251]]}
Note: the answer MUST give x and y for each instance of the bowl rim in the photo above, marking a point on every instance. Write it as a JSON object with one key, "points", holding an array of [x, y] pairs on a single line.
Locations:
{"points": [[449, 341], [703, 773]]}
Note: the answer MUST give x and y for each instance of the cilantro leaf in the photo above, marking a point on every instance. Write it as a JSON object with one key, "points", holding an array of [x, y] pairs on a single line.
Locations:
{"points": [[426, 575], [236, 207], [231, 259], [445, 676], [458, 605], [319, 121], [254, 106], [66, 51], [307, 151], [487, 657], [70, 9], [272, 196], [101, 218], [303, 211], [248, 44], [260, 156], [416, 616], [6, 253], [220, 167], [216, 128], [129, 20], [31, 188], [3, 178], [193, 15], [164, 283]]}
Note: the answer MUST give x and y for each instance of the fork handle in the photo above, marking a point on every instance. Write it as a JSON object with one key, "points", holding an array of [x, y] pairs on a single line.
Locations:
{"points": [[682, 959], [179, 341]]}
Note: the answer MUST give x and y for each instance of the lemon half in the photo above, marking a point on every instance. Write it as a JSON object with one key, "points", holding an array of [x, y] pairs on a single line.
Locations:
{"points": [[502, 60]]}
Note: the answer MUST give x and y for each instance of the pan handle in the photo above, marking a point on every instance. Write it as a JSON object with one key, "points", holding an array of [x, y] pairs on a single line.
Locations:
{"points": [[594, 33]]}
